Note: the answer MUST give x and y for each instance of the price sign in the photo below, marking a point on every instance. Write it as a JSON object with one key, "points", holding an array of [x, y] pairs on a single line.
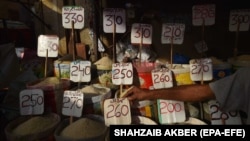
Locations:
{"points": [[122, 73], [201, 69], [114, 17], [239, 18], [171, 111], [31, 102], [72, 103], [162, 78], [48, 43], [172, 31], [201, 46], [223, 118], [73, 14], [80, 71], [19, 52], [117, 111], [141, 33], [203, 14]]}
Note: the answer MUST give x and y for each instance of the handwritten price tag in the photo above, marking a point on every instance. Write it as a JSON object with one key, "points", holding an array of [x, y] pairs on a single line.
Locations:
{"points": [[73, 14], [162, 78], [31, 102], [172, 31], [80, 71], [114, 17], [20, 52], [239, 18], [223, 118], [48, 43], [203, 14], [201, 46], [117, 111], [171, 111], [141, 33], [72, 103], [201, 69], [122, 73]]}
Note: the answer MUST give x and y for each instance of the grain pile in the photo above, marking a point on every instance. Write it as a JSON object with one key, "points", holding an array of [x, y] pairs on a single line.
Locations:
{"points": [[105, 63], [91, 89], [84, 128], [34, 125], [47, 81]]}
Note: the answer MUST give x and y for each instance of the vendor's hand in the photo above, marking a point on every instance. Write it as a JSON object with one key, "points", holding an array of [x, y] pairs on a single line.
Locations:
{"points": [[136, 93]]}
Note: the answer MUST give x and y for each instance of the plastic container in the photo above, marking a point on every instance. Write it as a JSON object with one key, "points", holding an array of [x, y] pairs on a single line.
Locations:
{"points": [[62, 69], [53, 89], [144, 73], [98, 137], [221, 70], [181, 74], [45, 134]]}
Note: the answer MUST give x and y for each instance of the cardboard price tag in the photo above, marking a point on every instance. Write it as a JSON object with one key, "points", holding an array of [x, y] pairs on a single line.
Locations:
{"points": [[239, 20], [48, 43], [31, 102], [223, 118], [174, 32], [80, 71], [141, 33], [122, 73], [73, 14], [117, 111], [72, 103], [162, 78], [201, 69], [171, 111], [201, 46], [203, 14], [114, 17]]}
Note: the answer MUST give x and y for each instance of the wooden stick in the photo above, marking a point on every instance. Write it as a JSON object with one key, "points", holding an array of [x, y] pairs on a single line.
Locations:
{"points": [[236, 41], [123, 93], [171, 53], [46, 64], [114, 45]]}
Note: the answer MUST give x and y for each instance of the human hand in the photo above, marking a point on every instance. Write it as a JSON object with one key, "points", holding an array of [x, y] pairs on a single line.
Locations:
{"points": [[135, 93]]}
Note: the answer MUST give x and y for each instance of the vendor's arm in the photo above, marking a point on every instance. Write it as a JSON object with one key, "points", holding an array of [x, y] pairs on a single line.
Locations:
{"points": [[189, 93]]}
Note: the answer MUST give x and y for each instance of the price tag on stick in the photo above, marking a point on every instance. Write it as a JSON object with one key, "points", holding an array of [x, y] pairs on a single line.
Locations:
{"points": [[122, 73], [239, 20], [201, 69], [203, 14], [73, 14], [162, 78], [171, 111], [72, 103], [141, 34], [117, 111], [31, 102], [172, 31], [48, 46], [219, 117], [114, 17], [80, 71]]}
